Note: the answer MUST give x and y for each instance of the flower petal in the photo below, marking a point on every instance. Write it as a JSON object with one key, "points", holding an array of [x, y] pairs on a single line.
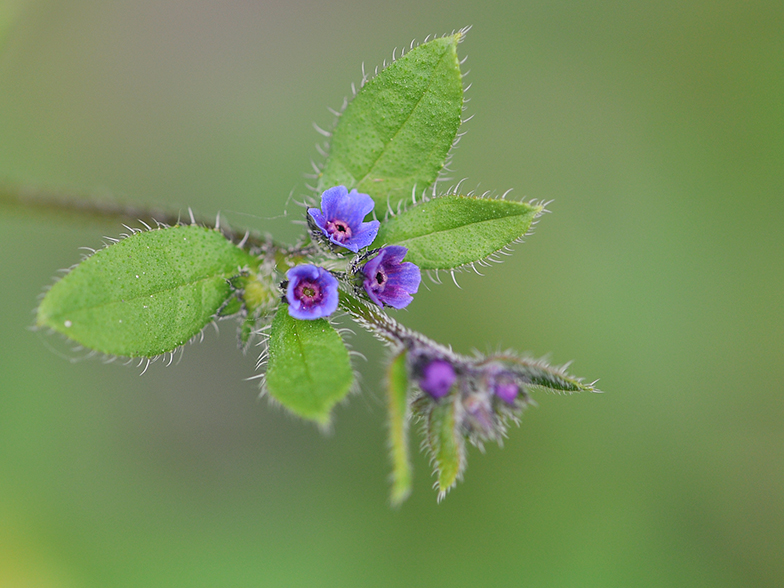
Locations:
{"points": [[318, 218], [406, 275], [375, 299], [370, 268], [330, 200], [300, 272], [394, 253], [364, 236], [330, 302], [396, 297], [351, 208]]}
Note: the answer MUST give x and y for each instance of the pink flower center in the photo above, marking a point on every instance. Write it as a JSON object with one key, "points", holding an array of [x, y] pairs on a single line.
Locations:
{"points": [[339, 230], [308, 293]]}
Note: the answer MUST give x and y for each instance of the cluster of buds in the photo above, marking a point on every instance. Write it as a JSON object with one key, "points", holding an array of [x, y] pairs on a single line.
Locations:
{"points": [[459, 398], [474, 399], [487, 392], [483, 393]]}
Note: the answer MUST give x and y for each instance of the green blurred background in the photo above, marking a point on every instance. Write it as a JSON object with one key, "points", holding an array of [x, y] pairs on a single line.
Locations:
{"points": [[658, 130]]}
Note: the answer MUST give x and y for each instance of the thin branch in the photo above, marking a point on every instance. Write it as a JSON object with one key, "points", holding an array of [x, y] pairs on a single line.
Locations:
{"points": [[70, 208], [385, 327]]}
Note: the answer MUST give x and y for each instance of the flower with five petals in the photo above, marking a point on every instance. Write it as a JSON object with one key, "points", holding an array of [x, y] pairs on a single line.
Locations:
{"points": [[341, 218]]}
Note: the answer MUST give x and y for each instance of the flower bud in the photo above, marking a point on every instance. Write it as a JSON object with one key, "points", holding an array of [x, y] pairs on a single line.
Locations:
{"points": [[437, 378]]}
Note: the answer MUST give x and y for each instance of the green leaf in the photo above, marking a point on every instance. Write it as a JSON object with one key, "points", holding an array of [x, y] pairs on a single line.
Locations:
{"points": [[542, 375], [446, 444], [232, 306], [147, 294], [450, 231], [396, 133], [308, 370], [397, 405]]}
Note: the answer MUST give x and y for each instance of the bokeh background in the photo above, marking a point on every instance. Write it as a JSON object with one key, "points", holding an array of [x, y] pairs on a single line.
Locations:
{"points": [[658, 130]]}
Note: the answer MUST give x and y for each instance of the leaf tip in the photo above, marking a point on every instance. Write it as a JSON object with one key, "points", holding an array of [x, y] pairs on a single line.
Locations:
{"points": [[461, 33], [323, 421], [399, 494]]}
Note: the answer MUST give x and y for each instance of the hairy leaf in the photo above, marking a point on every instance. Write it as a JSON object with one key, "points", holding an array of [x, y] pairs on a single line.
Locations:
{"points": [[309, 369], [542, 375], [396, 133], [450, 231], [446, 444], [147, 294], [397, 405]]}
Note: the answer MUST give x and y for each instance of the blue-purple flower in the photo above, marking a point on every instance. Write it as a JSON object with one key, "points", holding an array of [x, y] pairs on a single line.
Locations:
{"points": [[312, 292], [437, 378], [390, 281], [341, 218]]}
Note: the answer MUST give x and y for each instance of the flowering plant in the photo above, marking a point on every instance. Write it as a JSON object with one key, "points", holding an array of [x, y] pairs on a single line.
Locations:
{"points": [[382, 220]]}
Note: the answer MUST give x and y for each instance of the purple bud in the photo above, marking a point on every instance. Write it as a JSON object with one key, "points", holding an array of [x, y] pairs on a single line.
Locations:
{"points": [[390, 281], [437, 378], [506, 391], [502, 383], [341, 218], [312, 292]]}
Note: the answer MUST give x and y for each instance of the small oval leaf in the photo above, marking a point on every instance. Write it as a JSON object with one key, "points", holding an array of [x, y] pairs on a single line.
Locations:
{"points": [[397, 131], [397, 405], [446, 444], [308, 370], [147, 294], [450, 231]]}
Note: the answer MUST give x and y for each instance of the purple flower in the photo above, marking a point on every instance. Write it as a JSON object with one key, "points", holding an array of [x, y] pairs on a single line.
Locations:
{"points": [[312, 292], [437, 378], [341, 218], [388, 281]]}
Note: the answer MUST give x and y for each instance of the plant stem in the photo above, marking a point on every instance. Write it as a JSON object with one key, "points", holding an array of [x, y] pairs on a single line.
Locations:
{"points": [[71, 208]]}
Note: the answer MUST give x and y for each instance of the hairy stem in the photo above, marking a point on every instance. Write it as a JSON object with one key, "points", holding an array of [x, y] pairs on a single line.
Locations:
{"points": [[71, 208], [537, 371], [384, 326]]}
